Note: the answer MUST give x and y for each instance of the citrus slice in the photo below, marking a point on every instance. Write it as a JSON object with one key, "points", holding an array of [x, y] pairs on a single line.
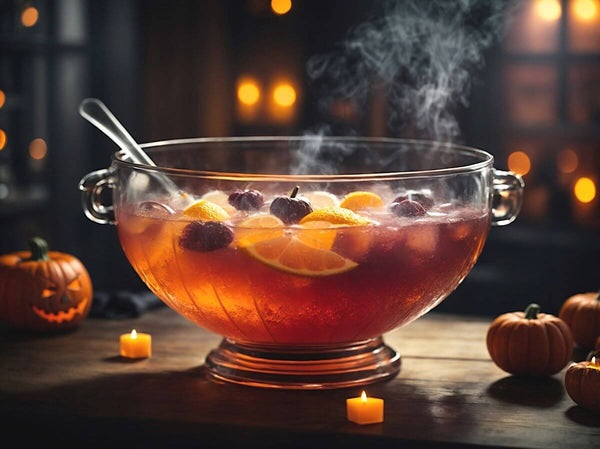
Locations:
{"points": [[257, 228], [220, 198], [336, 216], [320, 199], [317, 234], [206, 211], [356, 201], [289, 254]]}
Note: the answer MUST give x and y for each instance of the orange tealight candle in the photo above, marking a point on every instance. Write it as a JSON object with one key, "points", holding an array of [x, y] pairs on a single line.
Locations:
{"points": [[364, 410], [136, 346]]}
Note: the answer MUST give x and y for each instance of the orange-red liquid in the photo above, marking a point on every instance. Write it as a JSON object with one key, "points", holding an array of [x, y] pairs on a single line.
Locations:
{"points": [[405, 267]]}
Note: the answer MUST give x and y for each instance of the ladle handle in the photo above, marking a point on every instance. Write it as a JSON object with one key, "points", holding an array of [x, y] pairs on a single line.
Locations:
{"points": [[97, 113]]}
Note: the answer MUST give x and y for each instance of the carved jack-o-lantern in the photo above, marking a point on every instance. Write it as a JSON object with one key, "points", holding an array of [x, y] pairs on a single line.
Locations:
{"points": [[43, 290]]}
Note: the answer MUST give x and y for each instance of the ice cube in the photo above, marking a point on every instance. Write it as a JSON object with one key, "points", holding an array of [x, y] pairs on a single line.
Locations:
{"points": [[422, 238]]}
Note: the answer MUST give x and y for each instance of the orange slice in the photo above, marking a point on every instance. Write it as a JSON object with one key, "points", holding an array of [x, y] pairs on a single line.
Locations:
{"points": [[336, 216], [206, 211], [289, 254], [320, 199], [317, 234], [220, 198], [257, 228], [356, 201]]}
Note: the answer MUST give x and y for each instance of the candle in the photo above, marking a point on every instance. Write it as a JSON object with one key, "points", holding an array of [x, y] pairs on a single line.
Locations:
{"points": [[364, 410], [594, 363], [136, 345]]}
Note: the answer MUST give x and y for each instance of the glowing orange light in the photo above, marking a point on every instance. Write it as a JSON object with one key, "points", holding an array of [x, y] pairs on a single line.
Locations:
{"points": [[548, 10], [133, 334], [29, 16], [585, 190], [586, 10], [2, 139], [363, 396], [248, 92], [284, 95], [38, 149], [2, 98], [281, 6], [567, 161], [519, 163]]}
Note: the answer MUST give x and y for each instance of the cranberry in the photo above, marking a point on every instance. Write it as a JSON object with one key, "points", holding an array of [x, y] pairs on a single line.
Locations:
{"points": [[408, 208], [425, 200], [246, 199], [290, 209], [205, 236]]}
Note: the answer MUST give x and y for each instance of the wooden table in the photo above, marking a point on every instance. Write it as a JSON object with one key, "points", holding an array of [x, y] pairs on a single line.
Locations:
{"points": [[74, 388]]}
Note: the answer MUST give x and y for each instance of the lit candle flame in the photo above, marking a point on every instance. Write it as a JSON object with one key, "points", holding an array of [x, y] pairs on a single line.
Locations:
{"points": [[133, 334], [363, 396], [593, 361]]}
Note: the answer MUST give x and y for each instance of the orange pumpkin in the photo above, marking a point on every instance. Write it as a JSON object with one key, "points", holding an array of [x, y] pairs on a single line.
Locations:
{"points": [[582, 382], [530, 343], [582, 314], [43, 291]]}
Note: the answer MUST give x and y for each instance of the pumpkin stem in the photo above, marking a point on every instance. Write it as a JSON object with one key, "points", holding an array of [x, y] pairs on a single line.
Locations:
{"points": [[39, 249], [294, 192], [594, 353], [532, 311]]}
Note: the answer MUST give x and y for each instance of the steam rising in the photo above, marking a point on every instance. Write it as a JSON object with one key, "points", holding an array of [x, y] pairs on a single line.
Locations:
{"points": [[423, 52]]}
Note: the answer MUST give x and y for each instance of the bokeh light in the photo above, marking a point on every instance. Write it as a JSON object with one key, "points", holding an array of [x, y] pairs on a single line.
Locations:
{"points": [[2, 98], [2, 139], [585, 190], [29, 16], [519, 163], [586, 10], [284, 95], [548, 10], [38, 149], [567, 161], [248, 92], [281, 6]]}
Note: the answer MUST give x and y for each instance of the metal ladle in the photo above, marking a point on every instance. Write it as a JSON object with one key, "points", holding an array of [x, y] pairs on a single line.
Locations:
{"points": [[96, 112]]}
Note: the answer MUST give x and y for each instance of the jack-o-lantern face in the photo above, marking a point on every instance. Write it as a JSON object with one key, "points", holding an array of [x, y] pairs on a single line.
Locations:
{"points": [[46, 291], [61, 303]]}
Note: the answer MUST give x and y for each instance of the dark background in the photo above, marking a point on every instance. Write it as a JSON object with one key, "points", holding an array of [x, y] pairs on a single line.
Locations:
{"points": [[170, 69]]}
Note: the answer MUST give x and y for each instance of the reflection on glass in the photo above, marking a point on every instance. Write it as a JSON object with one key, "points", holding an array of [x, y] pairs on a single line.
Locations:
{"points": [[584, 26], [584, 93], [534, 27], [530, 94]]}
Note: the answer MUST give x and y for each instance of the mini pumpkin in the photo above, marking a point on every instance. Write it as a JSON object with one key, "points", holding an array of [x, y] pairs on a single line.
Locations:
{"points": [[530, 343], [582, 314], [582, 382], [43, 291]]}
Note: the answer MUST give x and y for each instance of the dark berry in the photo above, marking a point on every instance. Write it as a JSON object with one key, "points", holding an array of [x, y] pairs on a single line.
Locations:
{"points": [[246, 199], [425, 200], [408, 208], [207, 236], [290, 209]]}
